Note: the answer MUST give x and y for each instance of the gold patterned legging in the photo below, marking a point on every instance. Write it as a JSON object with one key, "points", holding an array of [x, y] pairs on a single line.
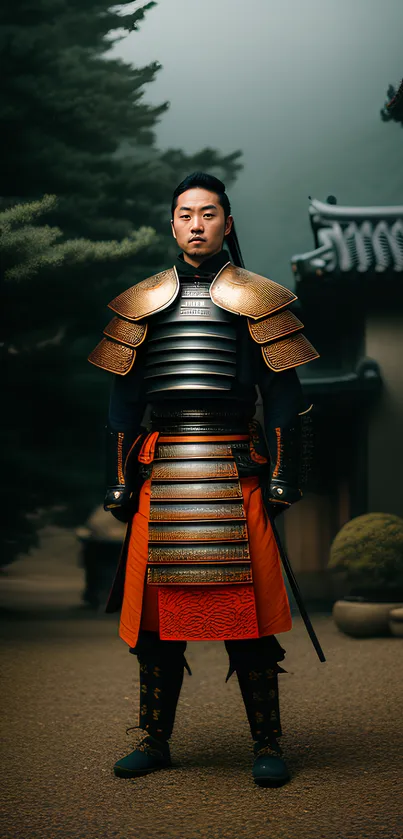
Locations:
{"points": [[162, 663]]}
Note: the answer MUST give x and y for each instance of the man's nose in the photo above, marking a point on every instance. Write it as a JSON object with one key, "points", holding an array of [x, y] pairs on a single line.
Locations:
{"points": [[197, 224]]}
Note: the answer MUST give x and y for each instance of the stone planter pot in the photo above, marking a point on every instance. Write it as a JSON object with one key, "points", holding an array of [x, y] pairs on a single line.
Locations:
{"points": [[396, 622], [363, 619]]}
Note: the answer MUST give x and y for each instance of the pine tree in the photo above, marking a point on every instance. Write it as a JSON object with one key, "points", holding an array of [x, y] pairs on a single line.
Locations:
{"points": [[75, 125], [68, 108], [32, 354]]}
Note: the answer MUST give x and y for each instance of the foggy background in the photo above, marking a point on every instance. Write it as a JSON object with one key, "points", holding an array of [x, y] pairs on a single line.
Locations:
{"points": [[290, 90], [298, 87]]}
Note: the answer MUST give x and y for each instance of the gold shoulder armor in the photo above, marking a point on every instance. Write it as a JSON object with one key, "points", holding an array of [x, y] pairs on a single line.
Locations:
{"points": [[245, 293], [282, 343], [147, 297], [275, 326], [116, 353]]}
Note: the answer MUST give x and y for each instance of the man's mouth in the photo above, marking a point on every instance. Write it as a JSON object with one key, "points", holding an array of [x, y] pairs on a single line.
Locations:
{"points": [[197, 239]]}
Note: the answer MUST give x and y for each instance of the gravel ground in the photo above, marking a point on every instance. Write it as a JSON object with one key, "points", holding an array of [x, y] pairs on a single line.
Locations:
{"points": [[70, 689]]}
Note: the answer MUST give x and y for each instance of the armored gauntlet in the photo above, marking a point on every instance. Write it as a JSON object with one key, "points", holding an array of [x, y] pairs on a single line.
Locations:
{"points": [[291, 455], [123, 476]]}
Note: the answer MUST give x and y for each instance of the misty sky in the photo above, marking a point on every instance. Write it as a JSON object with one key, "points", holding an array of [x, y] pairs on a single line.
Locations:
{"points": [[297, 85]]}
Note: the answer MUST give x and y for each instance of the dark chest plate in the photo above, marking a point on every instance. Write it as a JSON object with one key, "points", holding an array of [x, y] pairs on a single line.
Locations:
{"points": [[191, 345]]}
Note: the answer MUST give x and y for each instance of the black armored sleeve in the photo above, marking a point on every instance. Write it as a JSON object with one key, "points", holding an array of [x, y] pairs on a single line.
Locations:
{"points": [[282, 397], [287, 427], [127, 401], [124, 437]]}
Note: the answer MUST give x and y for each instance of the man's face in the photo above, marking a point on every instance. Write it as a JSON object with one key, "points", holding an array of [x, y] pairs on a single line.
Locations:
{"points": [[199, 225]]}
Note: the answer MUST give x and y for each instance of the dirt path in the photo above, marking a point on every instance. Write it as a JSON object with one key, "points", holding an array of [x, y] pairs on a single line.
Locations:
{"points": [[70, 689]]}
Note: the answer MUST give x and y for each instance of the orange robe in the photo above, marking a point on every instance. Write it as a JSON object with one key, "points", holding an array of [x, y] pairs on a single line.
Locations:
{"points": [[140, 601]]}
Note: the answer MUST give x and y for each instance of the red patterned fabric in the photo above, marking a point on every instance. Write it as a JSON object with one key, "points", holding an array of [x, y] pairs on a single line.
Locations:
{"points": [[199, 613]]}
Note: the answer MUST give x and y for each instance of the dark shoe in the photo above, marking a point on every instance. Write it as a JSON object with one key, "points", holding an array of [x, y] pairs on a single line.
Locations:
{"points": [[269, 768], [150, 755]]}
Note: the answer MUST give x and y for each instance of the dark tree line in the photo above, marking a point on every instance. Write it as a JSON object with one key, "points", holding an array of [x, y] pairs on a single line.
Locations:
{"points": [[77, 129]]}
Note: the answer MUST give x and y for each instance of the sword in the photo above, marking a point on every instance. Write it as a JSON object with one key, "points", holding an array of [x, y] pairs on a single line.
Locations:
{"points": [[297, 594]]}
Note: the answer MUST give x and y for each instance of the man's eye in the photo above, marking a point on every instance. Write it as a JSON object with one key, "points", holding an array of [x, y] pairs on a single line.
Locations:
{"points": [[208, 215], [184, 216]]}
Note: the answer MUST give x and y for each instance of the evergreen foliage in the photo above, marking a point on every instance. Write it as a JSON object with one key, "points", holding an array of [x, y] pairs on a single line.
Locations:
{"points": [[28, 351], [75, 124], [26, 248]]}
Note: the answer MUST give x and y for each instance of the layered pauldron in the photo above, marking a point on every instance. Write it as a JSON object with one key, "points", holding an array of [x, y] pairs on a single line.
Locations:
{"points": [[272, 325]]}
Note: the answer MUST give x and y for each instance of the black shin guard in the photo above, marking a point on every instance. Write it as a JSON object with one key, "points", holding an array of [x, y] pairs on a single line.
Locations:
{"points": [[161, 675], [255, 662]]}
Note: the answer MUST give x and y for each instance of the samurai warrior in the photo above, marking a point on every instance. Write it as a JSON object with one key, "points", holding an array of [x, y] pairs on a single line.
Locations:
{"points": [[200, 486]]}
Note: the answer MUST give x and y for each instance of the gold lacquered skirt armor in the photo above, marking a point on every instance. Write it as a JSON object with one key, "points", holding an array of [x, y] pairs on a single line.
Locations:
{"points": [[205, 542], [207, 490], [192, 512], [161, 554], [177, 451], [207, 532], [188, 574], [178, 470]]}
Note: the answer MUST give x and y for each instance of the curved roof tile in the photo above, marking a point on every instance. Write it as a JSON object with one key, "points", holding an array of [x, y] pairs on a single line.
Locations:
{"points": [[357, 240]]}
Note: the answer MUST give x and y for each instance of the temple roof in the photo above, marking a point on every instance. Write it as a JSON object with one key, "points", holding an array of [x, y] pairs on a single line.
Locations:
{"points": [[352, 240]]}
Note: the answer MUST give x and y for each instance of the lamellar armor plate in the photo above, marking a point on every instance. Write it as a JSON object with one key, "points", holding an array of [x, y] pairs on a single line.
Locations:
{"points": [[192, 345]]}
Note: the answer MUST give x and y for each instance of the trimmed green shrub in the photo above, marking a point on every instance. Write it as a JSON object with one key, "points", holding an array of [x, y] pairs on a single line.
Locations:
{"points": [[369, 551]]}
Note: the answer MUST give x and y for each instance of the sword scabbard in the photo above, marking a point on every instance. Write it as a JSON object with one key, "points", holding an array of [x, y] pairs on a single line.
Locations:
{"points": [[297, 594]]}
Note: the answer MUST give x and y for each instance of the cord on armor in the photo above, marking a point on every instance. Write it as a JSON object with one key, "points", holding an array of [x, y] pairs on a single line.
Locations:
{"points": [[122, 474], [291, 456]]}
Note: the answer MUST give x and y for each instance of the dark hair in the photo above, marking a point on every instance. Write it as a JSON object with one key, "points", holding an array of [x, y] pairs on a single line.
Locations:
{"points": [[200, 179]]}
